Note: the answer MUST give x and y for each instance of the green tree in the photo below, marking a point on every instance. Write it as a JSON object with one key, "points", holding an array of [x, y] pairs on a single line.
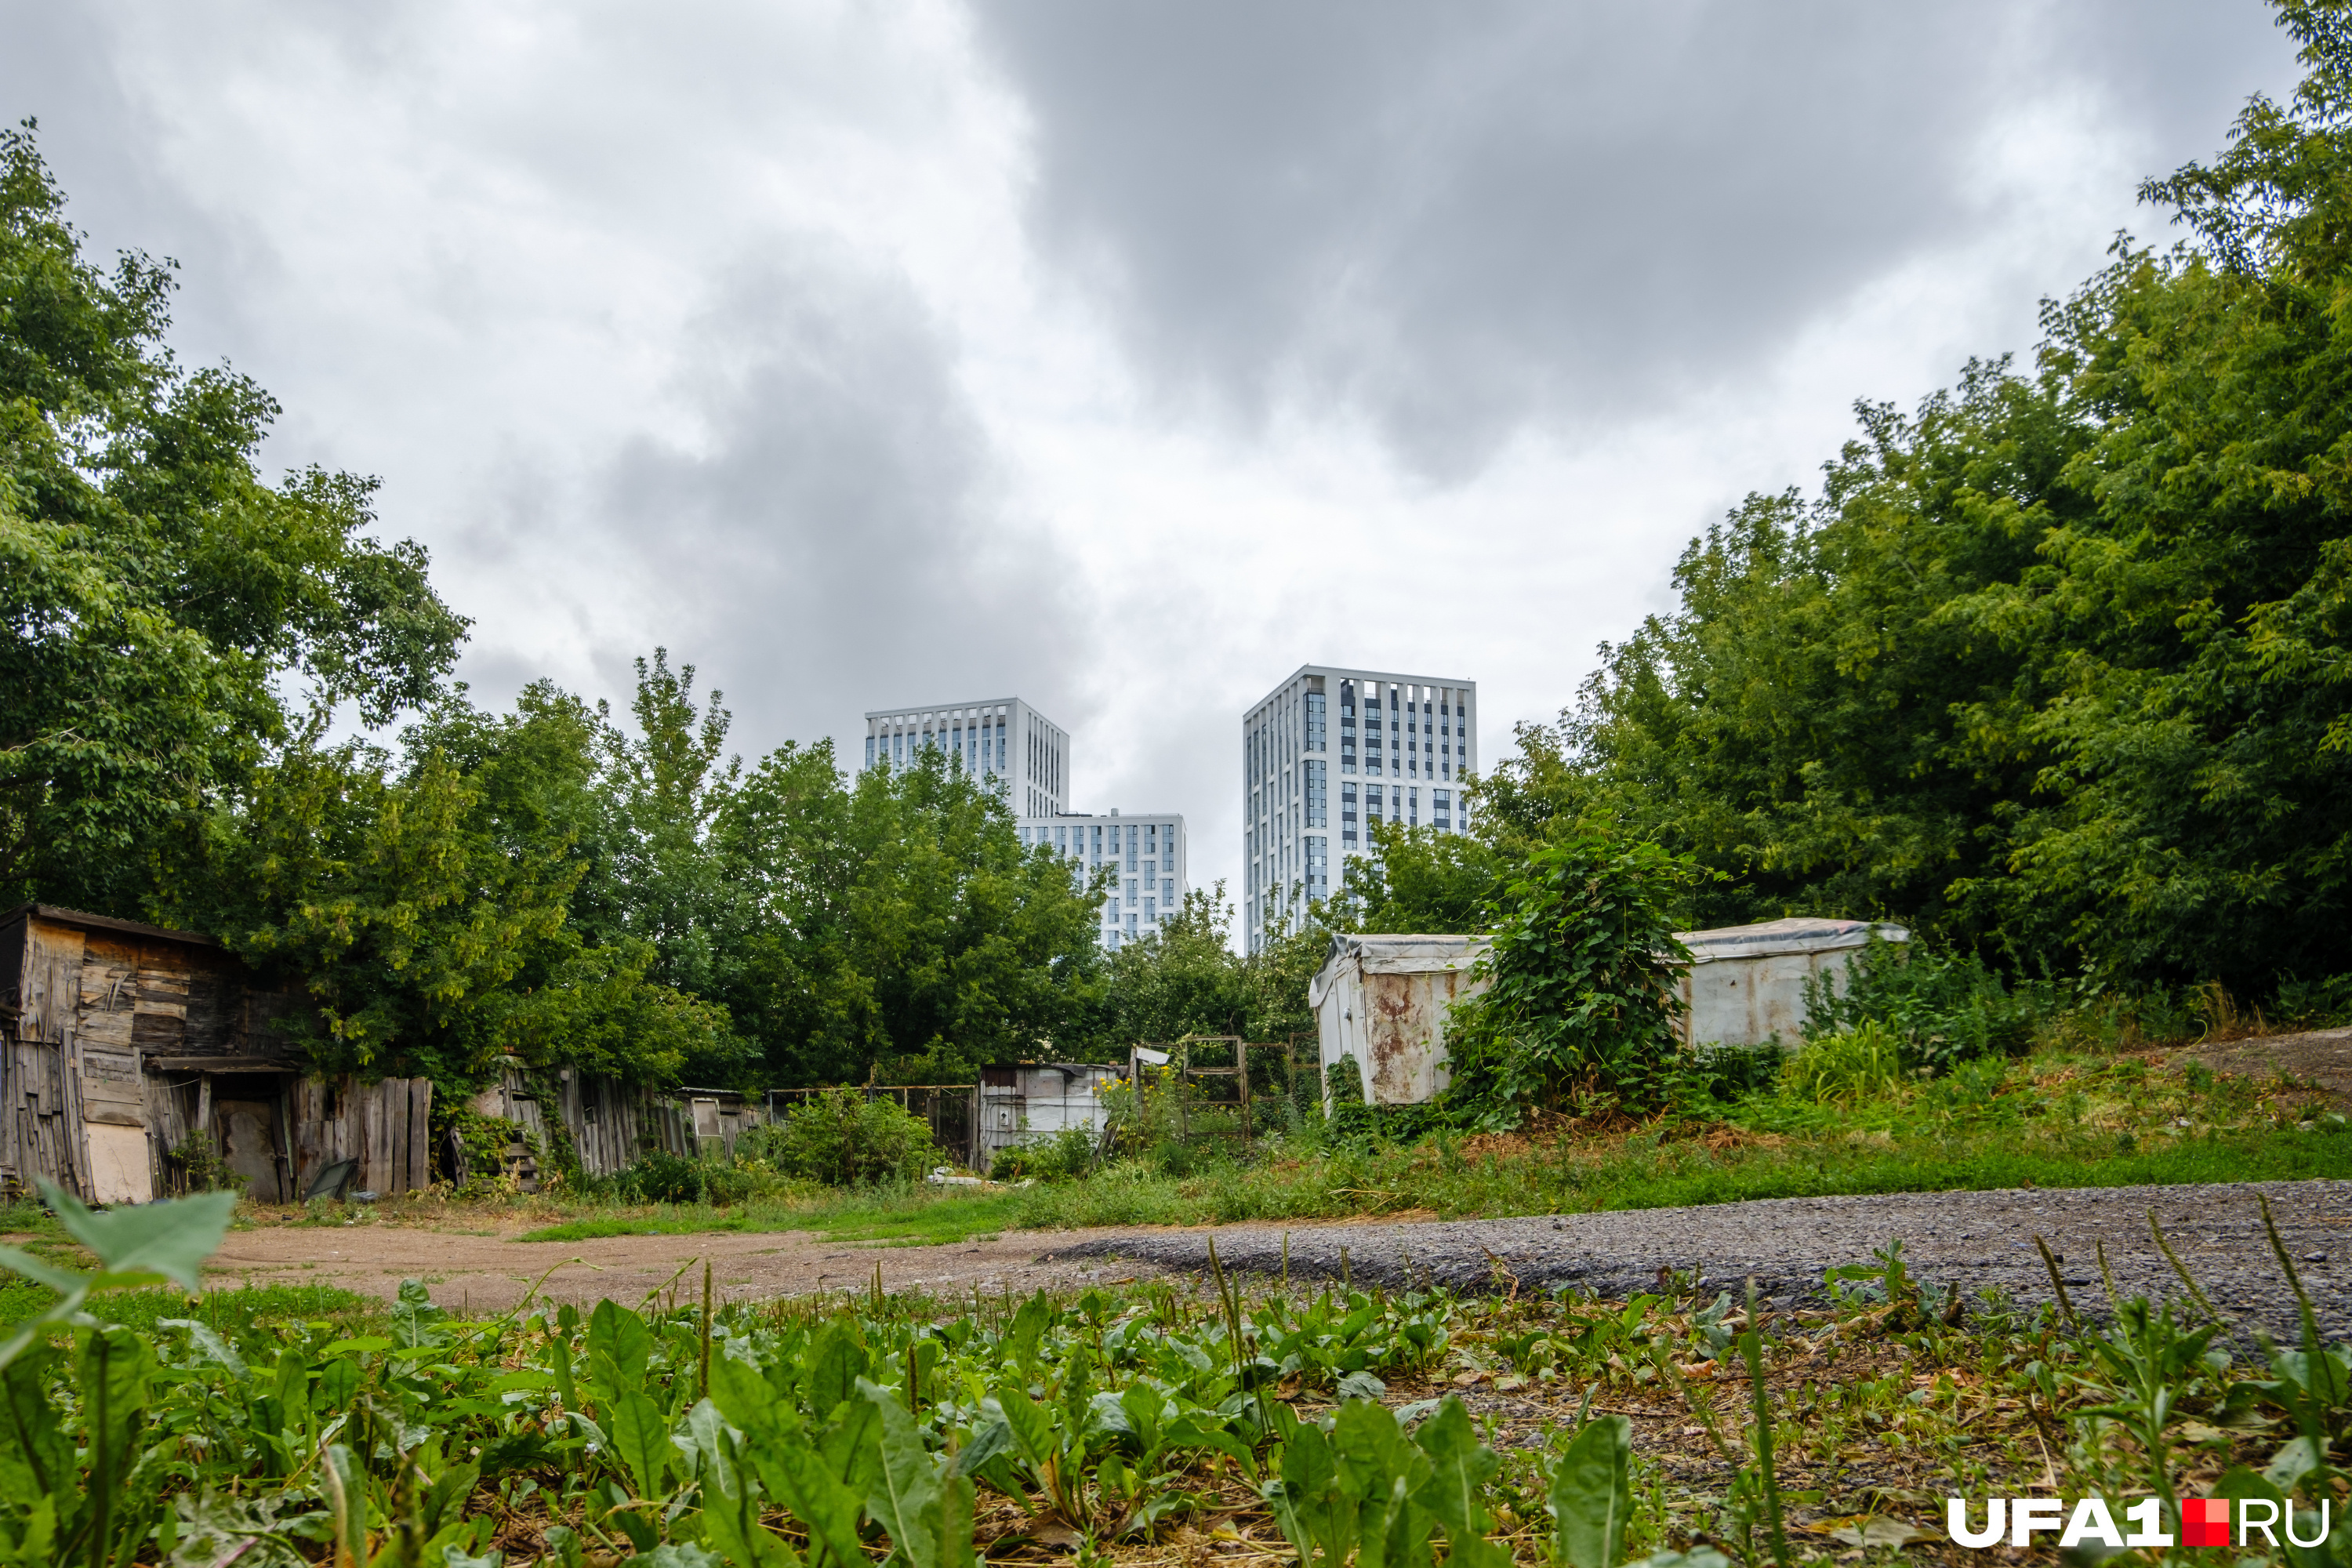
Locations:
{"points": [[657, 874], [1185, 979], [896, 925], [1417, 880], [418, 904], [2055, 667], [155, 594]]}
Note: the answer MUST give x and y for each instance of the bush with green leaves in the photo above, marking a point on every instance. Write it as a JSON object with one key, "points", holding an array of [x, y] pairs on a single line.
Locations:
{"points": [[846, 1139], [1847, 1068], [1581, 1004], [1066, 1156], [1942, 1006], [662, 1177]]}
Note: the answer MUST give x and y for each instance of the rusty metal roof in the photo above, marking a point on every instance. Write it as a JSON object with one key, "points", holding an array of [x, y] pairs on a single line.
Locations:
{"points": [[1797, 935], [1394, 954], [84, 920]]}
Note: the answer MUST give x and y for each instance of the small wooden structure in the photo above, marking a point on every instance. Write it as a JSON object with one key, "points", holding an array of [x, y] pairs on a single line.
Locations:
{"points": [[610, 1122], [126, 1047]]}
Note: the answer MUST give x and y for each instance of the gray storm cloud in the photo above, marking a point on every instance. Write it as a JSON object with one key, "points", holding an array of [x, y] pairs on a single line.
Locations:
{"points": [[1458, 217], [833, 539]]}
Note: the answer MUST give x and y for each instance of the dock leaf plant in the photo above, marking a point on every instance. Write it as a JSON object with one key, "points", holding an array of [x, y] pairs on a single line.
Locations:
{"points": [[1342, 1426]]}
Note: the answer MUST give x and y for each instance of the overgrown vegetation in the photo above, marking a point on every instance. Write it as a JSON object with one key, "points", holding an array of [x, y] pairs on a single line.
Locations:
{"points": [[1333, 1423], [844, 1139], [1579, 1007]]}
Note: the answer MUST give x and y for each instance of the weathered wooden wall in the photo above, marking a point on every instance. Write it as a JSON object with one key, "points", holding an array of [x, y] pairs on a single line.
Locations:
{"points": [[386, 1126], [611, 1122], [40, 1115], [119, 1041]]}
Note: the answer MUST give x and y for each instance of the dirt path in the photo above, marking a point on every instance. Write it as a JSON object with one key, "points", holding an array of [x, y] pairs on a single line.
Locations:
{"points": [[2322, 1058], [477, 1271], [1974, 1239]]}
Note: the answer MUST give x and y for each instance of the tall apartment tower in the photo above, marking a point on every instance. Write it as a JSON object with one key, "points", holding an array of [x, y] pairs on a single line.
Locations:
{"points": [[1147, 852], [1005, 739], [1329, 752]]}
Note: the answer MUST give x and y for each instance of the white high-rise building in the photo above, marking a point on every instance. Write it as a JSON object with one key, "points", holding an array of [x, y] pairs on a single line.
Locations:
{"points": [[1328, 752], [1147, 852], [1025, 752]]}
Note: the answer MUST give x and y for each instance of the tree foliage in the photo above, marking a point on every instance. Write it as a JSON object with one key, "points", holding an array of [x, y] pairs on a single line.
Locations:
{"points": [[420, 903], [2054, 667], [156, 595], [894, 924], [1417, 880]]}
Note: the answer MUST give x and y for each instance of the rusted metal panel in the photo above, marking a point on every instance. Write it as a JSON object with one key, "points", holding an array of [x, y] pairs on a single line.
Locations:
{"points": [[1383, 1002]]}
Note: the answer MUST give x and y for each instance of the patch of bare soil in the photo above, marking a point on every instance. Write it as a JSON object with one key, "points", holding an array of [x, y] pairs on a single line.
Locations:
{"points": [[477, 1273], [2322, 1058]]}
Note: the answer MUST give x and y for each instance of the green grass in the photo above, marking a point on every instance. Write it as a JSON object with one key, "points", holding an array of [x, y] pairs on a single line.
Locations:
{"points": [[2064, 1117], [252, 1314], [1633, 1173]]}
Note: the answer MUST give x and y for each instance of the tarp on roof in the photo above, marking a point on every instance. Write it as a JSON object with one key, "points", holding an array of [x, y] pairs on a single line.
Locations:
{"points": [[1798, 935]]}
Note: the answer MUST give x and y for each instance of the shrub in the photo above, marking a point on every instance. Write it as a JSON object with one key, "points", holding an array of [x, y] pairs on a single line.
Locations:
{"points": [[1583, 998], [1943, 1007], [845, 1140], [1067, 1154], [2315, 1004], [1861, 1063], [724, 1184], [662, 1177]]}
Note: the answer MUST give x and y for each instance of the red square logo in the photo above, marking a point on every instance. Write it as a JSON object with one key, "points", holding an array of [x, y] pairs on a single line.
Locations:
{"points": [[2205, 1521]]}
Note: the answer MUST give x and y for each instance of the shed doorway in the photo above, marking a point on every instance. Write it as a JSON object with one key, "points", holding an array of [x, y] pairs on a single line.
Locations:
{"points": [[247, 1133]]}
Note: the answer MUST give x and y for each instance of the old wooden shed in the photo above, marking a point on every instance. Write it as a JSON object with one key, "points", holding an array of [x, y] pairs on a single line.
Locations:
{"points": [[119, 1041]]}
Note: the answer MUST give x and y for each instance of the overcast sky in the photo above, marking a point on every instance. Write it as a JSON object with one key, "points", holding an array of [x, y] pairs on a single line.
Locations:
{"points": [[1123, 357]]}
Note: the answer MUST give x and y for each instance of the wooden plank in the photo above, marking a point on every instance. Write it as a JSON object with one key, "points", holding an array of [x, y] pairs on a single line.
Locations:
{"points": [[391, 1130], [52, 984], [106, 987], [374, 1138], [395, 1101], [163, 991], [420, 1132]]}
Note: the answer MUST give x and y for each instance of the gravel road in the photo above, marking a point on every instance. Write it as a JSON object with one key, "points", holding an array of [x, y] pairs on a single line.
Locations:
{"points": [[1980, 1241]]}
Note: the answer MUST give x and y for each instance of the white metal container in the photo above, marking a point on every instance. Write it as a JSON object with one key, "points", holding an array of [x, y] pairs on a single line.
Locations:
{"points": [[1382, 1001], [1745, 984]]}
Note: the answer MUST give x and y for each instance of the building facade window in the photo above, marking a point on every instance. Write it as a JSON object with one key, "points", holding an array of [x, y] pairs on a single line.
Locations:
{"points": [[1347, 814], [1317, 811], [1315, 721]]}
